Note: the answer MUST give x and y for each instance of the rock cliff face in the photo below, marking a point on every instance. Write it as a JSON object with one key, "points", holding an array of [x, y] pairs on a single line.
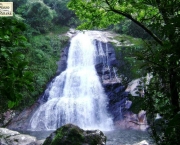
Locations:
{"points": [[106, 69], [117, 100], [105, 60]]}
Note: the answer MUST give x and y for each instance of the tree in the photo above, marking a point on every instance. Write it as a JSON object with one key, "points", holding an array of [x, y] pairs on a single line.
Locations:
{"points": [[39, 16], [161, 56], [64, 15]]}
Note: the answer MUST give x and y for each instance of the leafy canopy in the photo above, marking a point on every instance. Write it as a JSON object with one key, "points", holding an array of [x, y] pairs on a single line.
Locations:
{"points": [[148, 14]]}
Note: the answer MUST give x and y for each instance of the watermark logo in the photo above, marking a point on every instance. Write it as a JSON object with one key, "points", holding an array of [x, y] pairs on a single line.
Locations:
{"points": [[6, 9]]}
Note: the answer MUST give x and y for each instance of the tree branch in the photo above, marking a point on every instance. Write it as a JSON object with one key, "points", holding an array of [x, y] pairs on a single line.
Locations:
{"points": [[136, 22]]}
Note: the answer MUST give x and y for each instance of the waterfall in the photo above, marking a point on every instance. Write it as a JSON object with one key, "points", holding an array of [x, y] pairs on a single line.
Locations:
{"points": [[76, 95]]}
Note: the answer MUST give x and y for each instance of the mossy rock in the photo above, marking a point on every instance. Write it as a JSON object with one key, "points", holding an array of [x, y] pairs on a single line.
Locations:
{"points": [[70, 134], [95, 137]]}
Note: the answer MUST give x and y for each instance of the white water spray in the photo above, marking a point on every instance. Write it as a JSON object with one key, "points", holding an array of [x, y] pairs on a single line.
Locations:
{"points": [[76, 95]]}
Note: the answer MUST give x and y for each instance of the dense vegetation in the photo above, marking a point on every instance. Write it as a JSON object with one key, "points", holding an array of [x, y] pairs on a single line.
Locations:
{"points": [[30, 44], [160, 20]]}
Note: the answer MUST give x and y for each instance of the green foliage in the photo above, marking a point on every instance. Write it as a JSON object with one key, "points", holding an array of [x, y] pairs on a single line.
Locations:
{"points": [[64, 15], [44, 52], [28, 58], [165, 131], [100, 13], [129, 68], [30, 45], [130, 28], [40, 16], [160, 93], [138, 104], [58, 29], [122, 27], [93, 14], [14, 76]]}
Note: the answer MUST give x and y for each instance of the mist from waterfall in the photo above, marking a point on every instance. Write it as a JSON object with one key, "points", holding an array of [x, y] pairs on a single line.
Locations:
{"points": [[76, 95]]}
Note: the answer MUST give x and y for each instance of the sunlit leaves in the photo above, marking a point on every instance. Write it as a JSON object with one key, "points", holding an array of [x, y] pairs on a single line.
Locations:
{"points": [[97, 13], [93, 14]]}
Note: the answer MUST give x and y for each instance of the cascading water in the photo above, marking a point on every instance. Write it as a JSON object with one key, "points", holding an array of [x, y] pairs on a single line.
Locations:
{"points": [[76, 95]]}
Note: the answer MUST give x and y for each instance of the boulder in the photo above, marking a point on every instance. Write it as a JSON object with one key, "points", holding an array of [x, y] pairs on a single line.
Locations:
{"points": [[70, 134], [9, 137]]}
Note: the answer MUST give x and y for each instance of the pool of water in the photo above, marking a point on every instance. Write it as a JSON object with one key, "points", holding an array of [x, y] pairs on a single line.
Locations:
{"points": [[115, 137], [38, 134], [127, 137]]}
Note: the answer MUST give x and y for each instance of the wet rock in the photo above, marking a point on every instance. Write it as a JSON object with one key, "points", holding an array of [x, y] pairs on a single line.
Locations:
{"points": [[106, 77], [21, 121], [70, 134], [6, 117], [40, 142], [142, 116], [62, 63], [105, 59], [133, 121], [133, 88], [9, 137], [117, 100], [128, 104]]}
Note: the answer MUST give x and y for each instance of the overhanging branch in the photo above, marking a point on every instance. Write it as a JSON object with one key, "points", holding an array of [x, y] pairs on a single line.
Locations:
{"points": [[136, 22]]}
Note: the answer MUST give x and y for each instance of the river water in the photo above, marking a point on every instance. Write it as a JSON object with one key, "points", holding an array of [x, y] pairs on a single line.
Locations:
{"points": [[114, 137], [127, 137]]}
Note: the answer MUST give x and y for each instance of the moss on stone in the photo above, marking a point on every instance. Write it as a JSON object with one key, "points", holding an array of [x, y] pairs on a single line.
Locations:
{"points": [[67, 135], [73, 135]]}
